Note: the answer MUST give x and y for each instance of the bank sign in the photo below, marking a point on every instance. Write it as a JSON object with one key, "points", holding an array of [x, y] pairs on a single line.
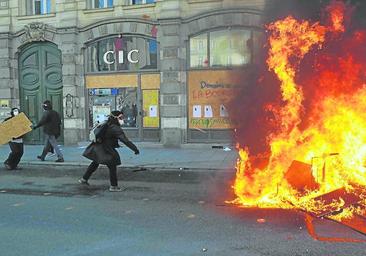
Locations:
{"points": [[131, 56]]}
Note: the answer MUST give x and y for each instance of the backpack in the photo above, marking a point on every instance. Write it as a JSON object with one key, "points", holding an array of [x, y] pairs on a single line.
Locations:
{"points": [[97, 133]]}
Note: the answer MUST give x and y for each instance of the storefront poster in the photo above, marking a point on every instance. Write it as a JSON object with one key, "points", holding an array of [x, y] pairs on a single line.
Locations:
{"points": [[150, 107], [4, 109], [223, 111], [197, 111], [210, 92], [153, 111], [208, 111], [4, 103], [100, 113]]}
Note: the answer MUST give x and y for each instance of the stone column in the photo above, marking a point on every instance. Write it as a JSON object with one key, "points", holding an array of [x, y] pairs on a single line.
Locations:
{"points": [[7, 93], [67, 39], [173, 85], [73, 87], [173, 82]]}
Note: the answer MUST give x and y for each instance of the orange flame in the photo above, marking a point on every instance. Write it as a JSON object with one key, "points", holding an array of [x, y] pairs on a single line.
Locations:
{"points": [[337, 11], [335, 141]]}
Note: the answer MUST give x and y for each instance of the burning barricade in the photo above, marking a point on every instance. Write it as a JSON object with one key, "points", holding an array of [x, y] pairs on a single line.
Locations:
{"points": [[315, 153]]}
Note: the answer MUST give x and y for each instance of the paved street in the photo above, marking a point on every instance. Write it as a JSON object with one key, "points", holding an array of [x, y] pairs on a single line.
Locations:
{"points": [[171, 215]]}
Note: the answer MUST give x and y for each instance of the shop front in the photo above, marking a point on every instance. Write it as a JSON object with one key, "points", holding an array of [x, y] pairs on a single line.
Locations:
{"points": [[219, 61], [122, 75], [210, 94]]}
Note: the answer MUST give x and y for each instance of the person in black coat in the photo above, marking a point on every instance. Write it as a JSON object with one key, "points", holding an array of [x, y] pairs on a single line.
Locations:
{"points": [[16, 146], [106, 153], [51, 122]]}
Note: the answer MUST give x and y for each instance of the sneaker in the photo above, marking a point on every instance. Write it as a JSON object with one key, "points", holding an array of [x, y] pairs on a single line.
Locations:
{"points": [[83, 181], [60, 160], [40, 158], [115, 189]]}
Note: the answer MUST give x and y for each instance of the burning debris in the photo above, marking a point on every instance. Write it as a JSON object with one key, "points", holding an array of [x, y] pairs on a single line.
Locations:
{"points": [[299, 176], [320, 69]]}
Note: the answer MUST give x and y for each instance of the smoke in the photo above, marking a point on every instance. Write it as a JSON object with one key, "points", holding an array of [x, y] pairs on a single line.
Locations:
{"points": [[250, 110], [311, 10], [337, 68], [340, 62]]}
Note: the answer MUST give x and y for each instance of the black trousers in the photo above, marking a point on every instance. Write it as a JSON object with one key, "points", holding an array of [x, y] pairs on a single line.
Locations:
{"points": [[17, 150], [112, 172]]}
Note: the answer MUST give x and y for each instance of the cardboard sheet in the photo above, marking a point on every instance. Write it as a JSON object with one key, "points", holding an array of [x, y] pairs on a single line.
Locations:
{"points": [[14, 127]]}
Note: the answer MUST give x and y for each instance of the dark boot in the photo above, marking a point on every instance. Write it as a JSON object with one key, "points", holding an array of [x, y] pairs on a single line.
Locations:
{"points": [[60, 160], [42, 156]]}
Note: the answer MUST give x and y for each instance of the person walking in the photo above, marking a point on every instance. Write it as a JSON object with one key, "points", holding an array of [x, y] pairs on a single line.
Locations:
{"points": [[51, 122], [105, 152], [16, 147]]}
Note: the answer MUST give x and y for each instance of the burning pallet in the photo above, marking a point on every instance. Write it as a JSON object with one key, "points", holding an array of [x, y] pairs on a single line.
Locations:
{"points": [[333, 212], [299, 176], [349, 198]]}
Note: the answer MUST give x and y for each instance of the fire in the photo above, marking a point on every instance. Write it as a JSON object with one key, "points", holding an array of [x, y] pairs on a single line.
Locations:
{"points": [[320, 122], [337, 16]]}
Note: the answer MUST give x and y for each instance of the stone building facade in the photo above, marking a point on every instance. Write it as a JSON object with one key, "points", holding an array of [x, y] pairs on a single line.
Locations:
{"points": [[48, 50]]}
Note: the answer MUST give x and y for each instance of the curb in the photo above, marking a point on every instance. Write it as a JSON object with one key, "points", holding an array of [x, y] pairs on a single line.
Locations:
{"points": [[125, 166], [126, 172]]}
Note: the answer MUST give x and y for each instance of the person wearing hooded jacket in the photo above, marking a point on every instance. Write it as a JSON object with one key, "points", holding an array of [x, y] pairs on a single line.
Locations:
{"points": [[16, 147], [106, 153], [51, 123]]}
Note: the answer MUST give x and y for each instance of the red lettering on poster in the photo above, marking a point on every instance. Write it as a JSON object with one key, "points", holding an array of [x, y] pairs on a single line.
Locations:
{"points": [[208, 93]]}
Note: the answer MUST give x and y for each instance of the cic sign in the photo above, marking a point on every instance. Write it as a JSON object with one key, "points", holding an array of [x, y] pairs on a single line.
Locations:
{"points": [[110, 57]]}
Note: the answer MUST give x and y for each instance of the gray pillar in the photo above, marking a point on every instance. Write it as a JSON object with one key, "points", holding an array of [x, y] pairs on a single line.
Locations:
{"points": [[73, 89], [7, 91], [173, 86]]}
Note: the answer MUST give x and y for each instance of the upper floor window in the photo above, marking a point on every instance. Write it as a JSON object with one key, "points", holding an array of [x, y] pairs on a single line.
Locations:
{"points": [[38, 7], [101, 3], [223, 48], [198, 51], [142, 1]]}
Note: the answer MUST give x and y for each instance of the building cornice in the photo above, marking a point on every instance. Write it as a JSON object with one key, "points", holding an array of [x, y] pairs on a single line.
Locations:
{"points": [[164, 21], [116, 20], [222, 11]]}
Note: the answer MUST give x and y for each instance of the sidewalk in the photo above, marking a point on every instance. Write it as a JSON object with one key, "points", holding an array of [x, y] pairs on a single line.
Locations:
{"points": [[152, 155]]}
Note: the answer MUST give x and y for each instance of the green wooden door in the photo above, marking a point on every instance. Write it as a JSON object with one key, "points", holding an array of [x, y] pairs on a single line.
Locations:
{"points": [[40, 78]]}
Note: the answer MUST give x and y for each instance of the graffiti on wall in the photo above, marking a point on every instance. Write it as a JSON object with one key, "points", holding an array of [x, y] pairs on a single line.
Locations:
{"points": [[210, 92]]}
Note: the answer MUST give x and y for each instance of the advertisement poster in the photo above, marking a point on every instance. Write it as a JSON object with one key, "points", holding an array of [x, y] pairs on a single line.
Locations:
{"points": [[209, 94], [100, 113], [197, 111], [150, 108]]}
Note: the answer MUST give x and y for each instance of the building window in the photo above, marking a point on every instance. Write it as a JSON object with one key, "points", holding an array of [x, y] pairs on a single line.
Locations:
{"points": [[103, 101], [223, 48], [96, 4], [122, 53], [142, 1], [198, 51], [38, 7]]}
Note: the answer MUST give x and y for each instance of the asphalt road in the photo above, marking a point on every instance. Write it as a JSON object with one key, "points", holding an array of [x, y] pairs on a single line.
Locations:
{"points": [[52, 215]]}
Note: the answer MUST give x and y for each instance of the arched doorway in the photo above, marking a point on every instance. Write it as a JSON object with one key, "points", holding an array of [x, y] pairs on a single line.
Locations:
{"points": [[40, 78]]}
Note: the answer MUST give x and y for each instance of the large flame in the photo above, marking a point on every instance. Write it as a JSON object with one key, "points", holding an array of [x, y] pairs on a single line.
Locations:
{"points": [[321, 119]]}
